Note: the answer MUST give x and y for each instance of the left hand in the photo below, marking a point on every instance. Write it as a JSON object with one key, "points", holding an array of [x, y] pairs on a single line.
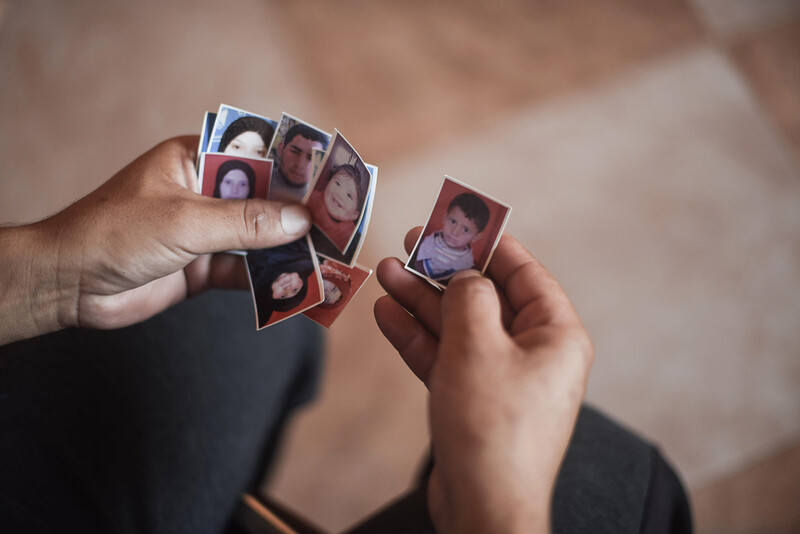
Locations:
{"points": [[138, 244]]}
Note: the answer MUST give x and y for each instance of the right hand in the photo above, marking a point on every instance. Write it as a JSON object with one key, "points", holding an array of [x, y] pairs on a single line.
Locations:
{"points": [[139, 243], [506, 360]]}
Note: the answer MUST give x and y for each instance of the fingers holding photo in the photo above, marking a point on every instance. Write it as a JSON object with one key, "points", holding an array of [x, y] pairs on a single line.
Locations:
{"points": [[534, 295], [521, 281], [471, 316], [418, 297], [415, 344], [461, 233], [411, 238]]}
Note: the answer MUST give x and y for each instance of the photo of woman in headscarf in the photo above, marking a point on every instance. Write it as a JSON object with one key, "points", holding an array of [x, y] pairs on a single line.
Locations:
{"points": [[248, 137], [282, 278], [235, 180], [233, 177]]}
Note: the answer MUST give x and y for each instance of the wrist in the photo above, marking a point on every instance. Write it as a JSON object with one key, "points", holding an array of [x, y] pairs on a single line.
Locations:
{"points": [[520, 518], [34, 296], [508, 524], [495, 511]]}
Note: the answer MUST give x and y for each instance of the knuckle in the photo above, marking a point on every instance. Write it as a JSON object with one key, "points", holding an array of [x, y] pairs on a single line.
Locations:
{"points": [[259, 223], [581, 344], [178, 212], [475, 286]]}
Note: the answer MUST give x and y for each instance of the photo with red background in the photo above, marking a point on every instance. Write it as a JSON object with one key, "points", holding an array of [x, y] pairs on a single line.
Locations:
{"points": [[325, 316], [313, 296], [482, 247], [261, 167]]}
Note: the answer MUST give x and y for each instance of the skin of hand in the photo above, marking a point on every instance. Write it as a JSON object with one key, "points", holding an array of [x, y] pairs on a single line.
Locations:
{"points": [[506, 360], [138, 244]]}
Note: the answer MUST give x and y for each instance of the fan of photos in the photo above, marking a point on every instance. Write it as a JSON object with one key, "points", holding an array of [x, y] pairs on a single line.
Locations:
{"points": [[244, 155]]}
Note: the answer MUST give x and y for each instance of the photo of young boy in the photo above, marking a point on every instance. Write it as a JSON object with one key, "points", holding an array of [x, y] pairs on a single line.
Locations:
{"points": [[461, 233], [339, 196]]}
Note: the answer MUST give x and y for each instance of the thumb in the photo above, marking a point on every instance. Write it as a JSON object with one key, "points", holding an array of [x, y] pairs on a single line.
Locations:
{"points": [[223, 225], [471, 318]]}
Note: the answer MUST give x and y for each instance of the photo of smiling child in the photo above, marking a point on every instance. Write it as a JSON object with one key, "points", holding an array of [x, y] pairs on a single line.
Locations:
{"points": [[327, 249], [338, 198], [461, 233]]}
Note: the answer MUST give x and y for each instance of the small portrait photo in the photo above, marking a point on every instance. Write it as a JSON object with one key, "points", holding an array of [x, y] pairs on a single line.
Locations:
{"points": [[292, 150], [241, 133], [205, 134], [325, 246], [317, 155], [340, 284], [461, 233], [230, 177], [339, 196], [285, 281]]}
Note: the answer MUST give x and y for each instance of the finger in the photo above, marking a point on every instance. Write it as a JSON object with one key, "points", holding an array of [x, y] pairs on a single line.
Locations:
{"points": [[186, 143], [410, 241], [471, 317], [177, 157], [412, 236], [228, 271], [221, 271], [130, 306], [214, 225], [421, 299], [413, 342], [532, 292], [506, 312]]}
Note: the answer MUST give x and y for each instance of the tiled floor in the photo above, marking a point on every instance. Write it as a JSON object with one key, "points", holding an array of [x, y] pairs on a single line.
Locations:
{"points": [[727, 18], [682, 200], [770, 61], [403, 76], [650, 151], [761, 498], [98, 83]]}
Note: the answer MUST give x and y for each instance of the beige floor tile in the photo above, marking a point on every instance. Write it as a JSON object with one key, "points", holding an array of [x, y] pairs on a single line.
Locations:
{"points": [[88, 86], [760, 498], [728, 18], [362, 443], [770, 59], [667, 205], [396, 76]]}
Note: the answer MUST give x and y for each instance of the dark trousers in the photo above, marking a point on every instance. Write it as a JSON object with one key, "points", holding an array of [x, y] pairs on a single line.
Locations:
{"points": [[610, 482], [159, 427]]}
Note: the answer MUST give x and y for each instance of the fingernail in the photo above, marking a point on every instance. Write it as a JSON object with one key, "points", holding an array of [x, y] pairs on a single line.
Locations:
{"points": [[294, 219]]}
